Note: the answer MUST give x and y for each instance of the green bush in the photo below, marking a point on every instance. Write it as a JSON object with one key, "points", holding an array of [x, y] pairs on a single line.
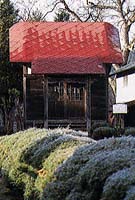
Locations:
{"points": [[102, 171], [63, 164], [130, 131], [99, 124], [103, 132], [29, 159], [119, 131]]}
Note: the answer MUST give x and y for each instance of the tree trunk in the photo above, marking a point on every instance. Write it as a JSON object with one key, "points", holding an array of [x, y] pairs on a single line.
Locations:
{"points": [[125, 41]]}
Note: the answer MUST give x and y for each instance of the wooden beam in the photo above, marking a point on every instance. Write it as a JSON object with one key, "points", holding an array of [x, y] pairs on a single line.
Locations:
{"points": [[65, 98], [107, 96], [45, 93], [85, 101], [88, 115], [108, 68], [69, 79], [24, 96], [25, 70]]}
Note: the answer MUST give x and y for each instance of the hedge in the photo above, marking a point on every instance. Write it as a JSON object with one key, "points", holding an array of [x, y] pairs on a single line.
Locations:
{"points": [[129, 131], [103, 132], [29, 159], [63, 164], [102, 171]]}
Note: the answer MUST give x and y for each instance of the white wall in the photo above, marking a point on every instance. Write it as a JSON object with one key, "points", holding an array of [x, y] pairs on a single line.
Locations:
{"points": [[125, 91], [29, 70]]}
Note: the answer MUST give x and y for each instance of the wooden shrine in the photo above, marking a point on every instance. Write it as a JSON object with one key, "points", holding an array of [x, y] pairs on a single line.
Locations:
{"points": [[66, 67]]}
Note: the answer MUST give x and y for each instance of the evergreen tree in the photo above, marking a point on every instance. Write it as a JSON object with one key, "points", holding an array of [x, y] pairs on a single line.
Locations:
{"points": [[61, 16], [10, 74]]}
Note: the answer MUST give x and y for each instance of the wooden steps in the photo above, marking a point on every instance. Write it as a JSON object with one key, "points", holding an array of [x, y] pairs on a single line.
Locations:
{"points": [[74, 124]]}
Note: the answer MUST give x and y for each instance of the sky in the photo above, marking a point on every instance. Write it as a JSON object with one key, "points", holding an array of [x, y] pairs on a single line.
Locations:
{"points": [[41, 5], [44, 5]]}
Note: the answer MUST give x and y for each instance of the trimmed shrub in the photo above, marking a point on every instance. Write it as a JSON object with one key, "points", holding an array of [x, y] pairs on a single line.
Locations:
{"points": [[130, 131], [103, 132], [96, 125], [102, 171], [29, 159], [119, 131]]}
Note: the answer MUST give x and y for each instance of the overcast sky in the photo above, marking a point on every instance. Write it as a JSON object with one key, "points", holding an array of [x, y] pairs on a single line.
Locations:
{"points": [[43, 5]]}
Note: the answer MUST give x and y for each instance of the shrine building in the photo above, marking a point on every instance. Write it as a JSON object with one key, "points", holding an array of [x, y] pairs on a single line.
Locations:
{"points": [[65, 71]]}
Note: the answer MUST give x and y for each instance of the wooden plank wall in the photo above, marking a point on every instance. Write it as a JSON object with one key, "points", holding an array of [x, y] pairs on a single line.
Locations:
{"points": [[99, 99], [36, 101]]}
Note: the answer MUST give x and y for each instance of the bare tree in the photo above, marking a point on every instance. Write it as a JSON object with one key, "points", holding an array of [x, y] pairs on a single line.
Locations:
{"points": [[118, 12], [29, 10], [121, 13]]}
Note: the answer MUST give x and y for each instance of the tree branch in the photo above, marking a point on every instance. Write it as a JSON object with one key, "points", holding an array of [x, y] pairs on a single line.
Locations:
{"points": [[120, 10], [123, 1], [50, 11], [131, 19], [102, 7], [70, 11], [131, 44]]}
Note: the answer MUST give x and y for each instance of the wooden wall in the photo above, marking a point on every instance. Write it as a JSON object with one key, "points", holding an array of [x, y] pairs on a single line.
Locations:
{"points": [[65, 100], [98, 99]]}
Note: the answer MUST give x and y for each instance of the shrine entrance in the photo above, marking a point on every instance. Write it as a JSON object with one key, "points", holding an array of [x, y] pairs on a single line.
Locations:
{"points": [[61, 101], [66, 99]]}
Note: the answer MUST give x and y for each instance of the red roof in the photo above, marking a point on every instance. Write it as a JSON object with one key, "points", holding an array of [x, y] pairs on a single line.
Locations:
{"points": [[64, 41], [67, 66]]}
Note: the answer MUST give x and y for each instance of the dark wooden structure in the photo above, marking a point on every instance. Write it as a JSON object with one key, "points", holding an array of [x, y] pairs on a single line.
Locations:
{"points": [[70, 63], [53, 101]]}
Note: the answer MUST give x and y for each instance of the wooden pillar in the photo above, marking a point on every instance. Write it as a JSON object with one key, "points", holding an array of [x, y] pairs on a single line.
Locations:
{"points": [[107, 69], [45, 93], [85, 100], [88, 115], [65, 99], [107, 97], [25, 71]]}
